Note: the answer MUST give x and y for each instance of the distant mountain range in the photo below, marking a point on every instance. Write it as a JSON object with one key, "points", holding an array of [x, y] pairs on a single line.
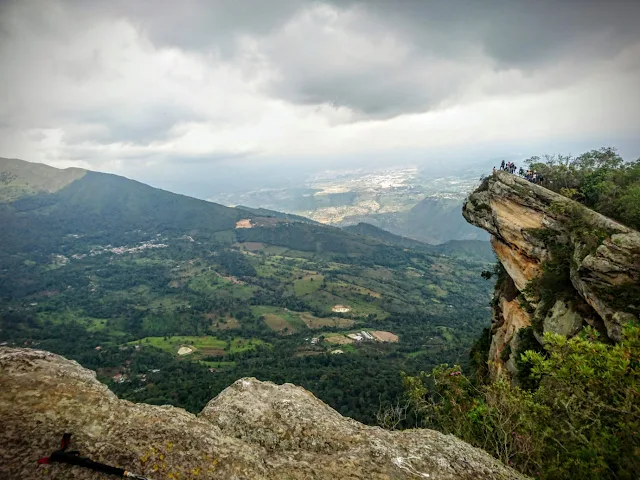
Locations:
{"points": [[424, 205], [473, 249], [40, 206], [433, 220]]}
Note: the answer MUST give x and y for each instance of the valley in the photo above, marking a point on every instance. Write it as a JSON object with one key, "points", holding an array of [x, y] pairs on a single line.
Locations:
{"points": [[406, 200], [179, 297]]}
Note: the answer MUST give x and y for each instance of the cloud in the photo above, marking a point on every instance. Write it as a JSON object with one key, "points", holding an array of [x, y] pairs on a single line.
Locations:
{"points": [[123, 86], [382, 59]]}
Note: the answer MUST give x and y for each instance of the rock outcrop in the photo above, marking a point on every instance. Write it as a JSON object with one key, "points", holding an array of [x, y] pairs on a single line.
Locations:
{"points": [[523, 219], [251, 430]]}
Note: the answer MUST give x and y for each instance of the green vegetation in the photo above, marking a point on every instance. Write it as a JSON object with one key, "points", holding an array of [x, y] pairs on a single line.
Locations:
{"points": [[599, 179], [308, 284], [202, 346], [554, 282], [580, 419], [19, 178], [576, 410], [120, 276]]}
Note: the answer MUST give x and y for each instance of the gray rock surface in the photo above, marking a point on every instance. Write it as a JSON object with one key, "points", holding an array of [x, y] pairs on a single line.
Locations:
{"points": [[251, 430], [562, 319]]}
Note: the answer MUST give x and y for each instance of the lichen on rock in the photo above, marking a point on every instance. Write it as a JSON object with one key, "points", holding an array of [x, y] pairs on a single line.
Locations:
{"points": [[251, 430]]}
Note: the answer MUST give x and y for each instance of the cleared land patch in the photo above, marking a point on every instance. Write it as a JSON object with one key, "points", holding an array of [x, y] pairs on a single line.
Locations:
{"points": [[222, 323], [251, 246], [339, 340], [382, 336], [277, 323], [199, 347], [279, 319], [316, 322], [340, 309], [244, 223]]}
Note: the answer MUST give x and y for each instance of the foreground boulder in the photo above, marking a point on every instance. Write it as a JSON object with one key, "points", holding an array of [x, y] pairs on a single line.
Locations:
{"points": [[251, 430], [526, 221]]}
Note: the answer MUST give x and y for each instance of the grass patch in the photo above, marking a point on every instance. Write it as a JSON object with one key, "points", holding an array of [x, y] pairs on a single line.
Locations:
{"points": [[316, 322], [204, 346], [74, 316], [279, 319], [307, 284]]}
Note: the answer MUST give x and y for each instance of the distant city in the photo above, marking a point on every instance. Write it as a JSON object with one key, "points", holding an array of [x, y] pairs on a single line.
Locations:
{"points": [[343, 197]]}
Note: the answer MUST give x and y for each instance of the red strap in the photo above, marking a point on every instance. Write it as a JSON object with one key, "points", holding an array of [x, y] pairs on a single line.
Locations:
{"points": [[43, 460]]}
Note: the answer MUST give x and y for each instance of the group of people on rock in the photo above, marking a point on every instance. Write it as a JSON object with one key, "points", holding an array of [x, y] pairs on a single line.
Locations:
{"points": [[508, 167], [531, 175]]}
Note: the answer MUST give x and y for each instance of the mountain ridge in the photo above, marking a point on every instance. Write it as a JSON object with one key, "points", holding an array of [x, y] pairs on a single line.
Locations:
{"points": [[472, 249]]}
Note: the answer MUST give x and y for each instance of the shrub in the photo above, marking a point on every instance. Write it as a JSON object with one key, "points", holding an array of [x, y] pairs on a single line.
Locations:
{"points": [[582, 421]]}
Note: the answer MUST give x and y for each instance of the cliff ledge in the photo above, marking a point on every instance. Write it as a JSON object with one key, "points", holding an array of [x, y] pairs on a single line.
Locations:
{"points": [[531, 227], [252, 430]]}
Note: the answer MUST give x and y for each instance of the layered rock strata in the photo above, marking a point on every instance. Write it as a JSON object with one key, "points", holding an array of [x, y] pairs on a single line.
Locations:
{"points": [[515, 212]]}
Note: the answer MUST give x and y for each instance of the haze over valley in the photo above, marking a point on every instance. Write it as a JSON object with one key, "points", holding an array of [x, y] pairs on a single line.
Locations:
{"points": [[403, 200]]}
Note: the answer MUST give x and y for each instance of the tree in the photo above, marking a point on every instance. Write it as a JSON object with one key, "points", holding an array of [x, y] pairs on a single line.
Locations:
{"points": [[583, 421]]}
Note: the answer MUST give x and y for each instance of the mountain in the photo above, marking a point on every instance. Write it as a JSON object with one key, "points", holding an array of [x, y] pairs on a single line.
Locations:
{"points": [[433, 220], [85, 203], [369, 230], [437, 220], [265, 212], [252, 429], [19, 178], [468, 249], [128, 280]]}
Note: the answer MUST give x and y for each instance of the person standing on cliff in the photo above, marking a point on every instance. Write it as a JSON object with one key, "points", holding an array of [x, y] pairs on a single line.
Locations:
{"points": [[502, 165]]}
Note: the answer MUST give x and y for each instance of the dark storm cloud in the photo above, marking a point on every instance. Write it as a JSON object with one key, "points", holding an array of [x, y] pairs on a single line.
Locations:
{"points": [[198, 24], [439, 47], [448, 45], [515, 33], [96, 79]]}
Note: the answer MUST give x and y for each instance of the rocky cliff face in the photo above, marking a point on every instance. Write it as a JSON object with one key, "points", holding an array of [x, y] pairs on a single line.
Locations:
{"points": [[252, 430], [528, 223]]}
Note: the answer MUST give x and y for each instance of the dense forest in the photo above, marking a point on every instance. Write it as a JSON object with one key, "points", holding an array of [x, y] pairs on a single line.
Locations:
{"points": [[129, 314]]}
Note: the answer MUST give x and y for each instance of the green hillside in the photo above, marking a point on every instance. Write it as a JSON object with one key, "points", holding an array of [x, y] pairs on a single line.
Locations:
{"points": [[265, 212], [183, 296], [388, 237], [19, 178], [478, 250]]}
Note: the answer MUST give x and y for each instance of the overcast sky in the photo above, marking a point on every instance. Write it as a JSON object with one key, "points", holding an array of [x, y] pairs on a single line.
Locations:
{"points": [[163, 89]]}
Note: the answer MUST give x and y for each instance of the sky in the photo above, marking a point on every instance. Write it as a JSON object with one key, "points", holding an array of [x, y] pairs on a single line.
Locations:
{"points": [[174, 93]]}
